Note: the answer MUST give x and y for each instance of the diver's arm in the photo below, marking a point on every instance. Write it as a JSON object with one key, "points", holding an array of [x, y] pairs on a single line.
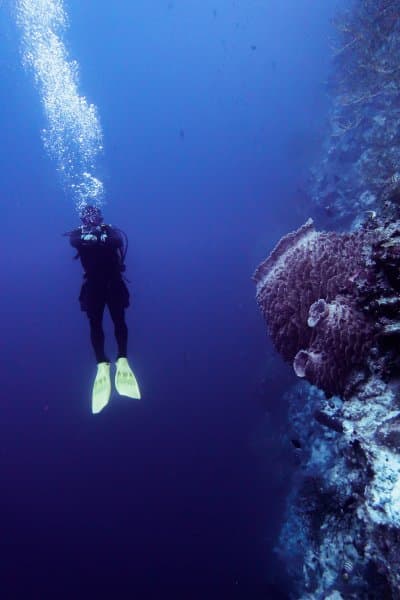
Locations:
{"points": [[115, 241], [106, 235], [75, 238], [79, 238], [114, 238]]}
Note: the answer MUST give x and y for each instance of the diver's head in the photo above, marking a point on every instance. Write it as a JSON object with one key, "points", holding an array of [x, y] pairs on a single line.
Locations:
{"points": [[91, 216]]}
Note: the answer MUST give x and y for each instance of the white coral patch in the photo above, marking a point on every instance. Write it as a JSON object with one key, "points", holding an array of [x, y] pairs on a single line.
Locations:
{"points": [[395, 500]]}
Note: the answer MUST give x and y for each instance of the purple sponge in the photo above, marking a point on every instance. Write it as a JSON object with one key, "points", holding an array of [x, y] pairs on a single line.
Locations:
{"points": [[307, 292]]}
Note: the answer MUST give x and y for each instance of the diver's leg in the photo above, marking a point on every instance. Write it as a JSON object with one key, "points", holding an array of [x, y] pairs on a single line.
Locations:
{"points": [[117, 313], [117, 301], [125, 380], [95, 317], [93, 301], [101, 392]]}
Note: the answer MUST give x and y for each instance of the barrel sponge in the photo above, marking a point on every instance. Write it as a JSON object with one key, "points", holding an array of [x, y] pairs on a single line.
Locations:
{"points": [[307, 292]]}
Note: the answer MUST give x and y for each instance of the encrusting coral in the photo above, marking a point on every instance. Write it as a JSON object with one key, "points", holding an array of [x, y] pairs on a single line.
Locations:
{"points": [[362, 154]]}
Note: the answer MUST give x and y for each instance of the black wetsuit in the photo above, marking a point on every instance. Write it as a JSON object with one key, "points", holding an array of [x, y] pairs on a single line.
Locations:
{"points": [[100, 250]]}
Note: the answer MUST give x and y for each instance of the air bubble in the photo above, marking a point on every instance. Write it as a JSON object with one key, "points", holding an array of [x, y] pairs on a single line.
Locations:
{"points": [[73, 136]]}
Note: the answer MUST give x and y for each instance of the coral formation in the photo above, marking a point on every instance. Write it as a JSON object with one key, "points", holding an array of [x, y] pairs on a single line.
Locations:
{"points": [[341, 535], [331, 302], [309, 293], [332, 306], [362, 154]]}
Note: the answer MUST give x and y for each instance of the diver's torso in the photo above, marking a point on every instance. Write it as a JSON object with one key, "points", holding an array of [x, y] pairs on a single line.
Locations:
{"points": [[99, 253]]}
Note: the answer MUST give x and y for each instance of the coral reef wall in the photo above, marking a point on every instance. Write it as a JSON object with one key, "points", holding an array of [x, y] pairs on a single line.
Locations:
{"points": [[360, 164], [331, 302], [342, 534]]}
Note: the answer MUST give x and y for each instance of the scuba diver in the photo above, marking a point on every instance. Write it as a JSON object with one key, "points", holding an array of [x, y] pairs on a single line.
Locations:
{"points": [[102, 249]]}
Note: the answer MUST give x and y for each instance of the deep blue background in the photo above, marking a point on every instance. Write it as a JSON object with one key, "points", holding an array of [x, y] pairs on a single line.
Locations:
{"points": [[212, 114]]}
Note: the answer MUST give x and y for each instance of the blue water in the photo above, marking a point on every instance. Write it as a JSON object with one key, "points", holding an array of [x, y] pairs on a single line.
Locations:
{"points": [[212, 114]]}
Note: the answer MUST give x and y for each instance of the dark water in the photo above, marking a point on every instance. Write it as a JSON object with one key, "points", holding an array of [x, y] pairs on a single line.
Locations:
{"points": [[212, 114]]}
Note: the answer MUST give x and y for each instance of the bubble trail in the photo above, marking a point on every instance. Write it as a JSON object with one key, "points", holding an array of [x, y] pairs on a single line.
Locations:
{"points": [[73, 136]]}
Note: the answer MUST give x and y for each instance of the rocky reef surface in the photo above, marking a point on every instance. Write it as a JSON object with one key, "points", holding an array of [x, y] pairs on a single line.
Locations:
{"points": [[342, 534], [360, 162], [331, 301], [332, 307]]}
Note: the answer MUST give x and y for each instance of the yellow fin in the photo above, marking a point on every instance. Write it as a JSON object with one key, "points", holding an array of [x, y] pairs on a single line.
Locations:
{"points": [[125, 380], [101, 388]]}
